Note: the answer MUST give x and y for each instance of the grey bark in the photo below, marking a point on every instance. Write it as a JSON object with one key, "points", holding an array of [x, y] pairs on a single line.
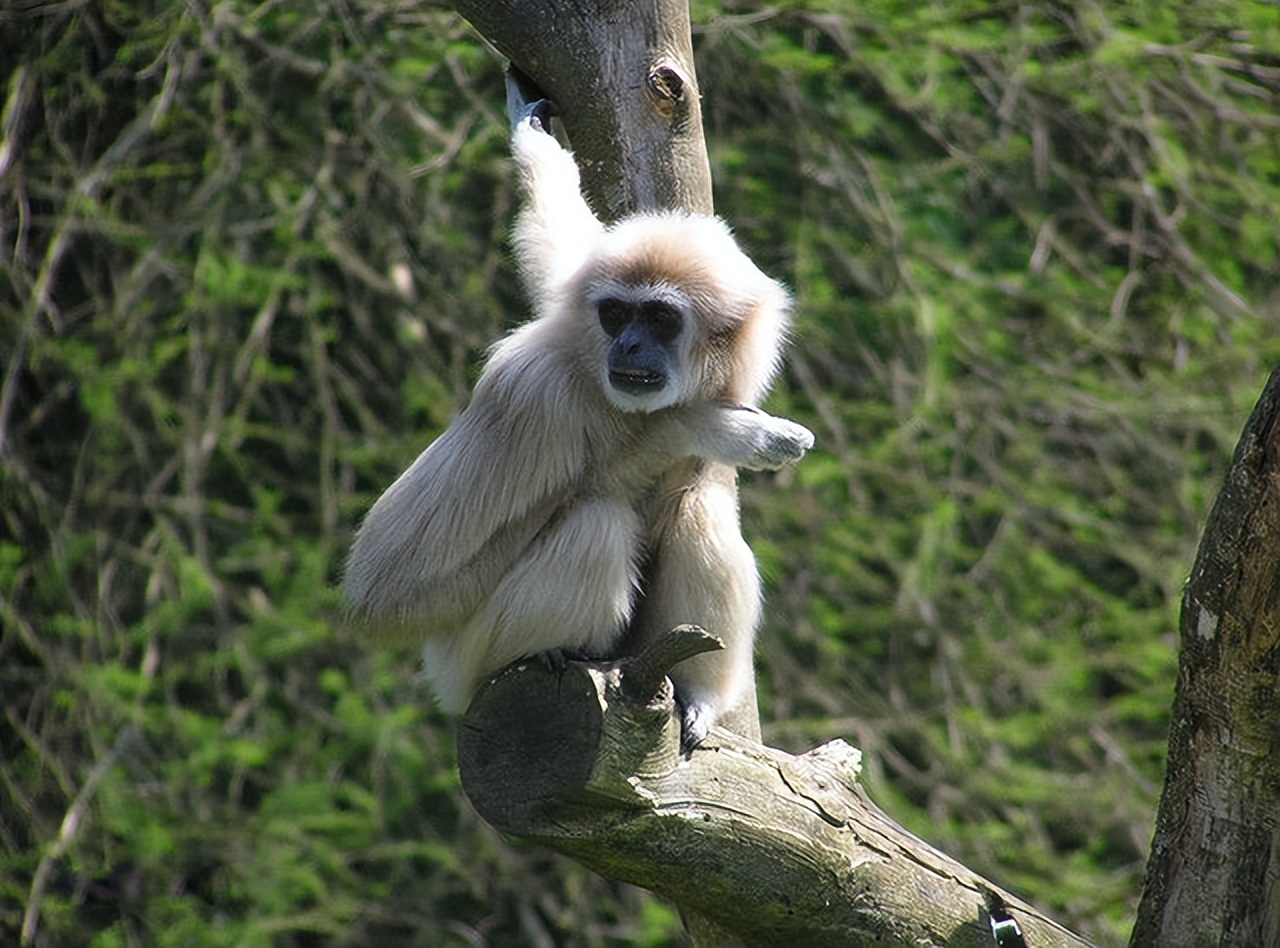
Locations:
{"points": [[1214, 873]]}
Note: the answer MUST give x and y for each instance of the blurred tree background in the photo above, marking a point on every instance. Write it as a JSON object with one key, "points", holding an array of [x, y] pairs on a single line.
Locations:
{"points": [[252, 255]]}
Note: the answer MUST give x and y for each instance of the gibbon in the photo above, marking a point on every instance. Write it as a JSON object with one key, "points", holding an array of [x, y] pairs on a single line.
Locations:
{"points": [[585, 500]]}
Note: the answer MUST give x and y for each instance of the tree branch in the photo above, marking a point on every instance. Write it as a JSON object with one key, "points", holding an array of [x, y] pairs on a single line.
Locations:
{"points": [[764, 848]]}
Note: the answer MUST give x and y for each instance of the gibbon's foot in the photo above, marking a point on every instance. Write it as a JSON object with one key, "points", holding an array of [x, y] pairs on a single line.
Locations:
{"points": [[526, 102], [556, 660], [696, 718]]}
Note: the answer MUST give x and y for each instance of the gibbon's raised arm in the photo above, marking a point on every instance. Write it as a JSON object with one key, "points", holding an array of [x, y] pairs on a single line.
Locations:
{"points": [[556, 229], [585, 497]]}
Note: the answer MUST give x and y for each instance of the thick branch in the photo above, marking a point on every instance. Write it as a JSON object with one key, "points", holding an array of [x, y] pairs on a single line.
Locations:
{"points": [[622, 76], [772, 850], [1214, 873]]}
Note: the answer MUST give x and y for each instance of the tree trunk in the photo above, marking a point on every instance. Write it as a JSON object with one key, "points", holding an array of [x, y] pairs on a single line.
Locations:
{"points": [[622, 75], [1214, 873]]}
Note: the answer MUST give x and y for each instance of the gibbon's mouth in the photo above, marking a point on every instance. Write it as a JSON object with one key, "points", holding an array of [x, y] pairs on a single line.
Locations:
{"points": [[636, 381]]}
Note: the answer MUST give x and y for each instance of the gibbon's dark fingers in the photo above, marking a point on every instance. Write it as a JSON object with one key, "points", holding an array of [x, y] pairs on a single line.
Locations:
{"points": [[526, 102]]}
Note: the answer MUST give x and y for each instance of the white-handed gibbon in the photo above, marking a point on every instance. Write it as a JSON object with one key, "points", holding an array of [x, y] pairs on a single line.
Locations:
{"points": [[586, 496]]}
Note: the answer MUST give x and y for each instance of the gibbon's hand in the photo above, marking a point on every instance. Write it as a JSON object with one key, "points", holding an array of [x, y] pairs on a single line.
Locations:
{"points": [[777, 442], [527, 103], [742, 436]]}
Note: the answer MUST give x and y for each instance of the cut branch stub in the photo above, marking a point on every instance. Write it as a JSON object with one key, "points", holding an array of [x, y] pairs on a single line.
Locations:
{"points": [[543, 741], [643, 675]]}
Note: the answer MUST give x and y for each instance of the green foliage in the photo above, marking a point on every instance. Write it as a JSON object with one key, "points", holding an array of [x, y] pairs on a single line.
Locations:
{"points": [[1035, 258], [252, 256]]}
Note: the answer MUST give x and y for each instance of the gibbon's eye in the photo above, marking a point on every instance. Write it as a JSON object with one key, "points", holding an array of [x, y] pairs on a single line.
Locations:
{"points": [[614, 316], [663, 320]]}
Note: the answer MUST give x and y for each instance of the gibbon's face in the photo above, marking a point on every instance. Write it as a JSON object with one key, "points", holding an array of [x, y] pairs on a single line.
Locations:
{"points": [[648, 329], [682, 314]]}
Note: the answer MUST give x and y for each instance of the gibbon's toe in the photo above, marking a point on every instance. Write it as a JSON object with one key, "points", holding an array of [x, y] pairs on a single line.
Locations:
{"points": [[695, 724], [554, 660]]}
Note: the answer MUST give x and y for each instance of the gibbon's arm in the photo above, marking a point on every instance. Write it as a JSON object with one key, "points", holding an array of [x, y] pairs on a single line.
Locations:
{"points": [[737, 435], [435, 545], [437, 542], [556, 229]]}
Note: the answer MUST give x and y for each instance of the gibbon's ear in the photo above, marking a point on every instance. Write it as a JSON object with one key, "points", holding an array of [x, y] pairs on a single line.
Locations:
{"points": [[758, 353]]}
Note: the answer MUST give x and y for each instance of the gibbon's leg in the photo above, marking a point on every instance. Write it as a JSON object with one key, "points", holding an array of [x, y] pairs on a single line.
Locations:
{"points": [[573, 589], [703, 572]]}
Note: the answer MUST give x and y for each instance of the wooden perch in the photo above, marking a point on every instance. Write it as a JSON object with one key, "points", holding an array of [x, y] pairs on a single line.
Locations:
{"points": [[769, 849]]}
